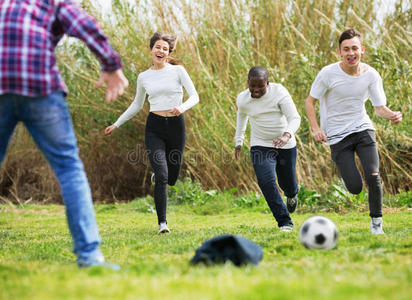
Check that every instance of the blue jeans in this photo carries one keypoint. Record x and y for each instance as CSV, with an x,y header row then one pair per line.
x,y
269,163
49,123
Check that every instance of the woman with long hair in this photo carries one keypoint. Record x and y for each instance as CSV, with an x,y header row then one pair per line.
x,y
165,135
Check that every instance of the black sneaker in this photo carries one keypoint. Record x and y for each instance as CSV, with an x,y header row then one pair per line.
x,y
292,203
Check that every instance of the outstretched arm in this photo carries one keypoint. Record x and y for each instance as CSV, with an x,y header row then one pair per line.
x,y
133,109
318,133
136,105
115,82
75,22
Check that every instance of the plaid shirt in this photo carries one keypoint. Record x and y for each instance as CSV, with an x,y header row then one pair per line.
x,y
29,32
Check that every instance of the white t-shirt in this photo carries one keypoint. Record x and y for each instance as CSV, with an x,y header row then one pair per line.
x,y
342,100
270,116
164,88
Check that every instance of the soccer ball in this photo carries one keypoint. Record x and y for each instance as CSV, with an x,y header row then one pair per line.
x,y
318,233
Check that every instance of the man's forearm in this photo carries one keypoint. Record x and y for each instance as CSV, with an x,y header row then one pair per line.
x,y
311,114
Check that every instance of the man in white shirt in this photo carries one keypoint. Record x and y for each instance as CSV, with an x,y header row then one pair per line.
x,y
274,120
342,89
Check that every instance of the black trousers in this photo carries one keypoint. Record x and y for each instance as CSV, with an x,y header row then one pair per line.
x,y
343,154
165,139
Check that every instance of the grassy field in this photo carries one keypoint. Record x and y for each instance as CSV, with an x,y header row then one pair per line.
x,y
36,260
219,40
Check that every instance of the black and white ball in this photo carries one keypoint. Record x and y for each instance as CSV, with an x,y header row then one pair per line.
x,y
318,233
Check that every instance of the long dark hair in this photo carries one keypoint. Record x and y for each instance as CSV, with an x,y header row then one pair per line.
x,y
168,38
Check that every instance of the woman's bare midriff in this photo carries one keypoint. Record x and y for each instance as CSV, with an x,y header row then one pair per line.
x,y
164,113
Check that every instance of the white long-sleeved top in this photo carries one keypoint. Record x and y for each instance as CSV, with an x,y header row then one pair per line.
x,y
270,116
164,88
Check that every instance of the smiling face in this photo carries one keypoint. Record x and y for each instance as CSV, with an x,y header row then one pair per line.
x,y
258,86
160,53
351,51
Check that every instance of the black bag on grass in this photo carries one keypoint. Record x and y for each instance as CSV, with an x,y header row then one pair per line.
x,y
238,250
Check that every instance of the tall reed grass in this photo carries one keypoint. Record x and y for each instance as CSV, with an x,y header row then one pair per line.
x,y
219,41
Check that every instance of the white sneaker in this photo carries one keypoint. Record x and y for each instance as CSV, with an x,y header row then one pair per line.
x,y
286,228
163,228
376,226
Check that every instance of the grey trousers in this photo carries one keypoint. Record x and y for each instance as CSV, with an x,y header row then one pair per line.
x,y
343,154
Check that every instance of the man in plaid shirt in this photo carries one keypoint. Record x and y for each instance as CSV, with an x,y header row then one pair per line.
x,y
32,91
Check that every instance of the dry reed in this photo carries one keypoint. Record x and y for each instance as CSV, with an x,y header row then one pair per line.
x,y
219,42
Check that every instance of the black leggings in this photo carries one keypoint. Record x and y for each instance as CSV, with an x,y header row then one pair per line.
x,y
343,154
165,139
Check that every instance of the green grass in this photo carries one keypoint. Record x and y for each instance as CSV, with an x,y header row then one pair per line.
x,y
36,260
